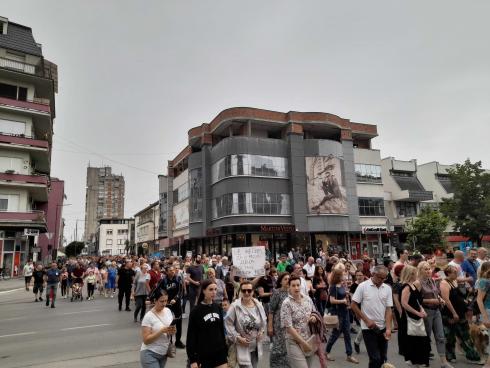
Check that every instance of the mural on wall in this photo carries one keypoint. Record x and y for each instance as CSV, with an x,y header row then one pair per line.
x,y
326,194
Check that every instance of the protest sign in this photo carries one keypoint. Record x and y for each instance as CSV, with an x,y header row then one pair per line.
x,y
249,261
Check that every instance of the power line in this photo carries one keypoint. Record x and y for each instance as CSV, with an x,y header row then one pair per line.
x,y
88,150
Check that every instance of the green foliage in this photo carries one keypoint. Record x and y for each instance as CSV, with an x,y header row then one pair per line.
x,y
427,229
74,248
469,209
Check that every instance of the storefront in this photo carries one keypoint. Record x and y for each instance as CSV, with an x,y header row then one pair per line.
x,y
373,241
14,254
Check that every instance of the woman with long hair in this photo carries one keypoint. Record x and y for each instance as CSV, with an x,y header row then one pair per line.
x,y
320,286
339,302
400,321
156,329
206,345
454,317
417,348
296,314
245,325
432,302
483,299
278,354
141,290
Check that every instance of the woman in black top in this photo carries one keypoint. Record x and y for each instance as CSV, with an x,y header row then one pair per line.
x,y
320,286
417,348
206,346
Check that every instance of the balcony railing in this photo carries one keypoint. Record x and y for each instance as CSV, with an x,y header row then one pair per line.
x,y
33,216
27,179
39,104
22,139
18,65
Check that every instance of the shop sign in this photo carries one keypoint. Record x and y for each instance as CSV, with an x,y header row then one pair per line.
x,y
277,228
374,229
31,232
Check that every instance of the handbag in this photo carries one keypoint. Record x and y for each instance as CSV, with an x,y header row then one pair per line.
x,y
312,342
331,321
415,327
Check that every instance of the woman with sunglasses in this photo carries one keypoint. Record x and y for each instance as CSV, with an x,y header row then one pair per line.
x,y
245,325
206,345
155,330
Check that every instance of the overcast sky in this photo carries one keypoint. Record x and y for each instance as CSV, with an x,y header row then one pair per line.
x,y
135,76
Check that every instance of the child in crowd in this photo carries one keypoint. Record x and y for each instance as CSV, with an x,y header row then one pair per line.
x,y
91,280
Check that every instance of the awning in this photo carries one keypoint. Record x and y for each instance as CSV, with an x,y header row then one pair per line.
x,y
461,238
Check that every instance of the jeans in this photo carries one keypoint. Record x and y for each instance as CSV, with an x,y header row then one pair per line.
x,y
344,328
51,288
254,358
140,302
177,311
433,323
376,346
124,293
150,359
192,297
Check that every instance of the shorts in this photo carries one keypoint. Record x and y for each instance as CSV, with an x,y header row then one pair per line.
x,y
28,279
37,288
216,360
111,284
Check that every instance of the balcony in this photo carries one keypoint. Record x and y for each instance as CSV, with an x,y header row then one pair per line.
x,y
36,184
31,219
412,195
21,140
37,105
42,70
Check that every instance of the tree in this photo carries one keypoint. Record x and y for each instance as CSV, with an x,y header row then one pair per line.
x,y
427,229
74,248
469,209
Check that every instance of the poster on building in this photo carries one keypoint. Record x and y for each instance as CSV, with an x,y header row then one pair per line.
x,y
249,261
326,194
181,215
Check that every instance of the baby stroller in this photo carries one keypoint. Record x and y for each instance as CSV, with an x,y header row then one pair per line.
x,y
76,290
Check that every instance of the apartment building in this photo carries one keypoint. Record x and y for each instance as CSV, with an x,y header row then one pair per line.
x,y
28,83
280,180
146,224
104,198
404,194
114,237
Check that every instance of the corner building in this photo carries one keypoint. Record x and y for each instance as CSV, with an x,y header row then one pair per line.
x,y
282,180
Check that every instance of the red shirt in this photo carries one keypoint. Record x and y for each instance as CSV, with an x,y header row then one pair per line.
x,y
155,276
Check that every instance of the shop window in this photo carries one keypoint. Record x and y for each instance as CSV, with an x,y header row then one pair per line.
x,y
368,173
371,207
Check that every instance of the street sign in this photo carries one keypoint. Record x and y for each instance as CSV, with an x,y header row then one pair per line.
x,y
31,232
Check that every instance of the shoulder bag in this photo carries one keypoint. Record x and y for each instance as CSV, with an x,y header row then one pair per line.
x,y
331,321
171,351
415,327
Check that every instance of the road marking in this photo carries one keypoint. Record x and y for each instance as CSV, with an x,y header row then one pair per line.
x,y
10,291
85,311
19,334
80,327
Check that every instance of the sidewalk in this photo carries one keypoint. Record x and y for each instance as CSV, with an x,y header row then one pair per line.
x,y
11,284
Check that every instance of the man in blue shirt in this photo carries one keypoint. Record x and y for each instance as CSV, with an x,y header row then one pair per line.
x,y
470,266
52,279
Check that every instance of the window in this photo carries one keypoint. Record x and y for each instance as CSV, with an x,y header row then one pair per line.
x,y
122,231
249,165
406,209
120,241
368,173
22,94
371,207
251,203
11,163
108,241
108,232
181,193
196,195
12,127
9,91
9,202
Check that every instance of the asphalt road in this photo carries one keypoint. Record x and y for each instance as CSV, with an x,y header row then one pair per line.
x,y
93,334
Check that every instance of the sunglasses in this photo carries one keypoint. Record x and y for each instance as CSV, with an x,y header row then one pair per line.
x,y
247,291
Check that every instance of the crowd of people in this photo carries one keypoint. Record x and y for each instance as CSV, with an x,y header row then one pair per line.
x,y
300,306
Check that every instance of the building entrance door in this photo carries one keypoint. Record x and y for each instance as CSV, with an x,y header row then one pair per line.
x,y
8,264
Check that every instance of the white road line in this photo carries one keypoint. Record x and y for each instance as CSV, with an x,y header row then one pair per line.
x,y
10,291
85,311
89,326
19,334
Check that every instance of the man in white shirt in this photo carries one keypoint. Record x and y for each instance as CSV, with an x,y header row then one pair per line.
x,y
28,270
310,267
297,271
372,303
482,255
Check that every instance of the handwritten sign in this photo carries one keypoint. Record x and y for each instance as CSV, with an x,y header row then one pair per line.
x,y
189,254
249,261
